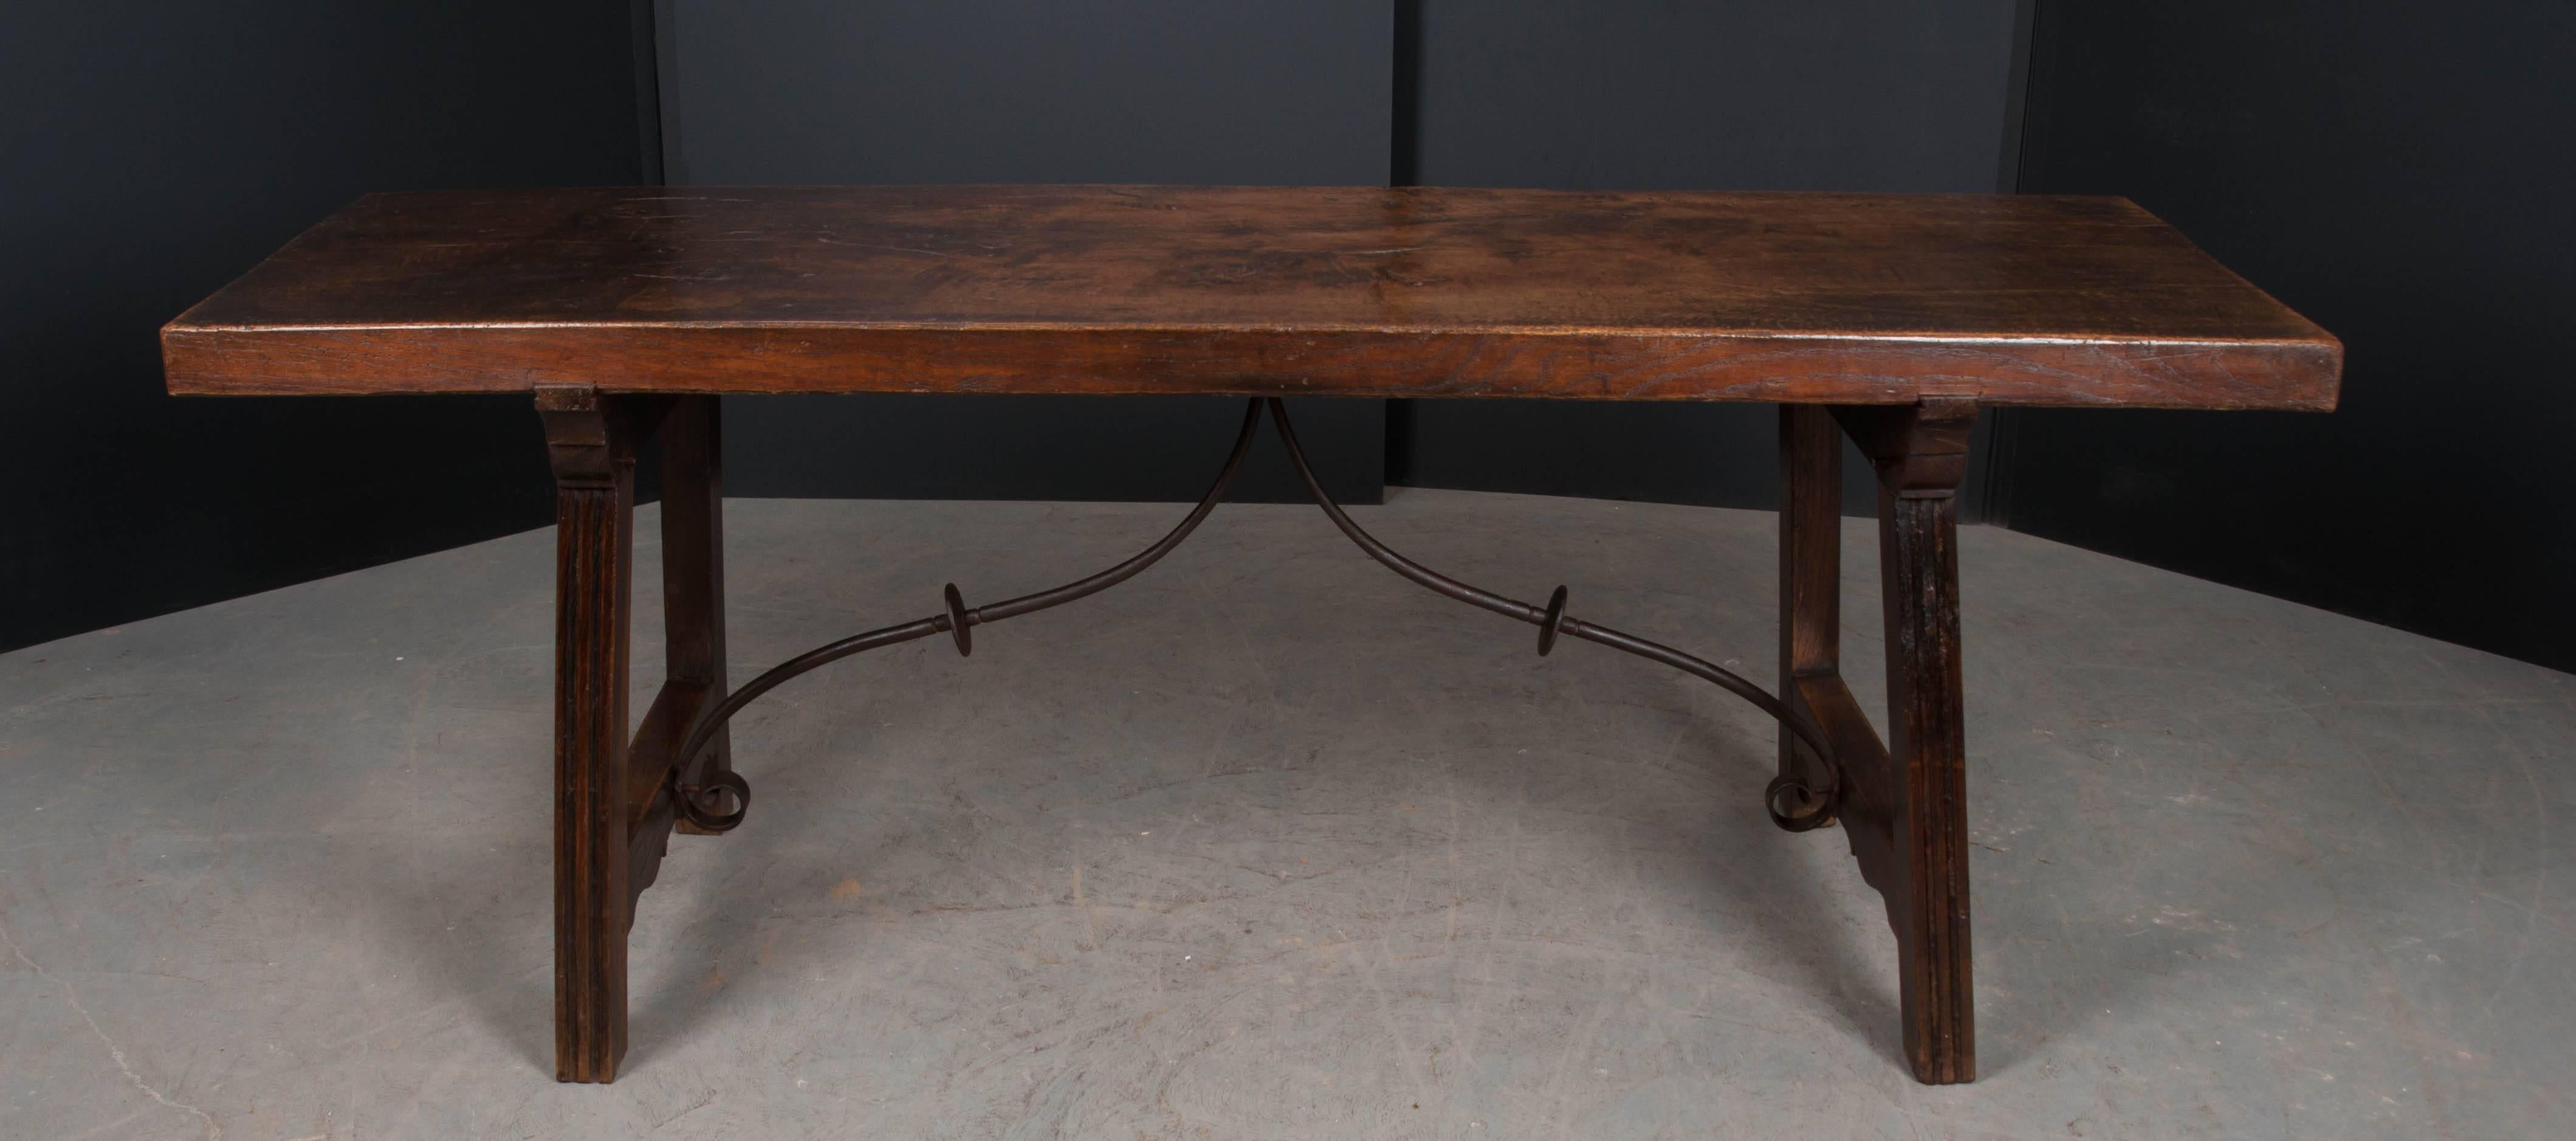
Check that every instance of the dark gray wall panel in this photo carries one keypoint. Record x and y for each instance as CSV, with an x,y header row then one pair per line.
x,y
149,152
1894,95
2398,172
1890,95
1175,91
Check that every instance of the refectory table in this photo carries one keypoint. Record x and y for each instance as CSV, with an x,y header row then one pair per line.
x,y
624,313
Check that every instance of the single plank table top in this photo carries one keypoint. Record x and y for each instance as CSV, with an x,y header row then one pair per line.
x,y
1318,291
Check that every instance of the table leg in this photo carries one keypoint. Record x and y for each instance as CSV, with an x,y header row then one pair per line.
x,y
1904,802
1811,518
594,464
1916,798
693,567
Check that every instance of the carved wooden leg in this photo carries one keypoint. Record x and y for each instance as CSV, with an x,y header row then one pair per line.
x,y
693,568
594,464
1921,454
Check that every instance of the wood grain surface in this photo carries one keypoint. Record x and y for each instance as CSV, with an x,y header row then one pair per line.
x,y
1830,298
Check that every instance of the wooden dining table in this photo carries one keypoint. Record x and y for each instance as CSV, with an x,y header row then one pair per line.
x,y
627,314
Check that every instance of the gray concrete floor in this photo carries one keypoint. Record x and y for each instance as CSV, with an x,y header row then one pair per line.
x,y
1269,843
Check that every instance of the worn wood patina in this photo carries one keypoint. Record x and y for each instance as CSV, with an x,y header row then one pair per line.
x,y
1854,299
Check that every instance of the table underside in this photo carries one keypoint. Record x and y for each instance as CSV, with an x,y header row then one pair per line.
x,y
620,793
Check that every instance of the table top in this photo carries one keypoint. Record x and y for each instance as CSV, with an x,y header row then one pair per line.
x,y
1349,291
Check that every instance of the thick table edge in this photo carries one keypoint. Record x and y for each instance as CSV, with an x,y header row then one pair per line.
x,y
2286,374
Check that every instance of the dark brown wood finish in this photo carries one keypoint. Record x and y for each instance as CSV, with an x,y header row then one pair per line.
x,y
693,568
1904,806
594,464
1906,810
1810,298
1811,551
613,810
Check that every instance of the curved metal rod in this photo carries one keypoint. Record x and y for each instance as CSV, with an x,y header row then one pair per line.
x,y
1010,608
1552,619
1808,808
